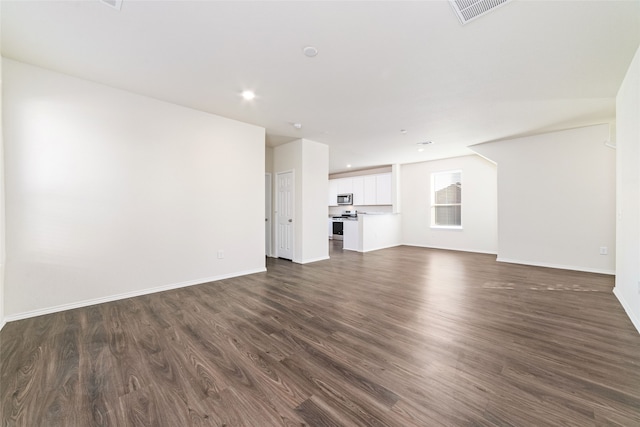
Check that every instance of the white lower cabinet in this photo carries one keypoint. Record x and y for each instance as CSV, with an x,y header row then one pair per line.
x,y
351,236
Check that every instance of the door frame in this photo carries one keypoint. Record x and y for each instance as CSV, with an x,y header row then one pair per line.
x,y
293,212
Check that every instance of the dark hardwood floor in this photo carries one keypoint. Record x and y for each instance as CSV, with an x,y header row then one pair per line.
x,y
398,337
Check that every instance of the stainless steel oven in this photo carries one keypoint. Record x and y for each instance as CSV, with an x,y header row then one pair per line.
x,y
338,223
338,229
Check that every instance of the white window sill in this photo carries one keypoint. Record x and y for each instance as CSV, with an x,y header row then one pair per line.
x,y
447,227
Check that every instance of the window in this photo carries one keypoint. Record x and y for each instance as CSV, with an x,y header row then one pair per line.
x,y
446,199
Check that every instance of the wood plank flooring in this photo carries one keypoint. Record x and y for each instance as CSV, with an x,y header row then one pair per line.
x,y
398,337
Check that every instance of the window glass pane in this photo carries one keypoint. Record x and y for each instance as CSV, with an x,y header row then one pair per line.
x,y
447,188
447,215
446,199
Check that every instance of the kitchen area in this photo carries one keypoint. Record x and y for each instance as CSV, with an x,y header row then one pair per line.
x,y
364,210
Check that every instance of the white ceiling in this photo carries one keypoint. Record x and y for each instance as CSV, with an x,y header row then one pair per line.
x,y
383,66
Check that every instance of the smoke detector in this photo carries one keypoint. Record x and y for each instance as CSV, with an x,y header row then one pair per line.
x,y
310,51
468,10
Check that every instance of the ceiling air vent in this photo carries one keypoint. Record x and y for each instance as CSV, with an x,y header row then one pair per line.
x,y
116,4
468,10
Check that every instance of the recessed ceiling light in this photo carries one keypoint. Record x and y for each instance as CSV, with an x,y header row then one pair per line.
x,y
248,95
310,51
420,150
348,165
297,125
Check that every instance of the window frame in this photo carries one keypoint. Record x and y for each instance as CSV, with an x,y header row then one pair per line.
x,y
433,204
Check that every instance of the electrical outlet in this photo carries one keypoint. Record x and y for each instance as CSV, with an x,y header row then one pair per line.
x,y
220,254
604,250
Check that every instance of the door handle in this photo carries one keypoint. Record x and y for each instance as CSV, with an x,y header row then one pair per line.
x,y
290,220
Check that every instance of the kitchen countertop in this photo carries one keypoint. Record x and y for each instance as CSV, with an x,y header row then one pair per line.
x,y
377,213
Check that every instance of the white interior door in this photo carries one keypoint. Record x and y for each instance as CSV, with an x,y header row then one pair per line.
x,y
284,215
267,214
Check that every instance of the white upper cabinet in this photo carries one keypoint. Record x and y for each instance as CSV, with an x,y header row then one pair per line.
x,y
345,185
370,190
358,190
383,189
367,190
333,192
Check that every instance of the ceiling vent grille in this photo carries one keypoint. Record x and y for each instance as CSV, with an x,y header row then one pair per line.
x,y
468,10
116,4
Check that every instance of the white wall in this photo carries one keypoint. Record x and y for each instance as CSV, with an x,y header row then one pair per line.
x,y
315,186
310,163
110,194
268,159
556,204
627,287
2,227
479,205
269,229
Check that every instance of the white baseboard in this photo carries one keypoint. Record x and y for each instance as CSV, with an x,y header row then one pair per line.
x,y
110,298
560,266
307,261
627,309
475,251
382,247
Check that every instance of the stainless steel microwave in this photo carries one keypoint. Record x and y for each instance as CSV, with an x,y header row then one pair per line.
x,y
345,199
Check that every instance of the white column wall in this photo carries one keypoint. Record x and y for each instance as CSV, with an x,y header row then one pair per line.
x,y
111,194
315,185
627,287
310,163
2,209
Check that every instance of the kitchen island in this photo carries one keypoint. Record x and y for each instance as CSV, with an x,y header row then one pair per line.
x,y
372,232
